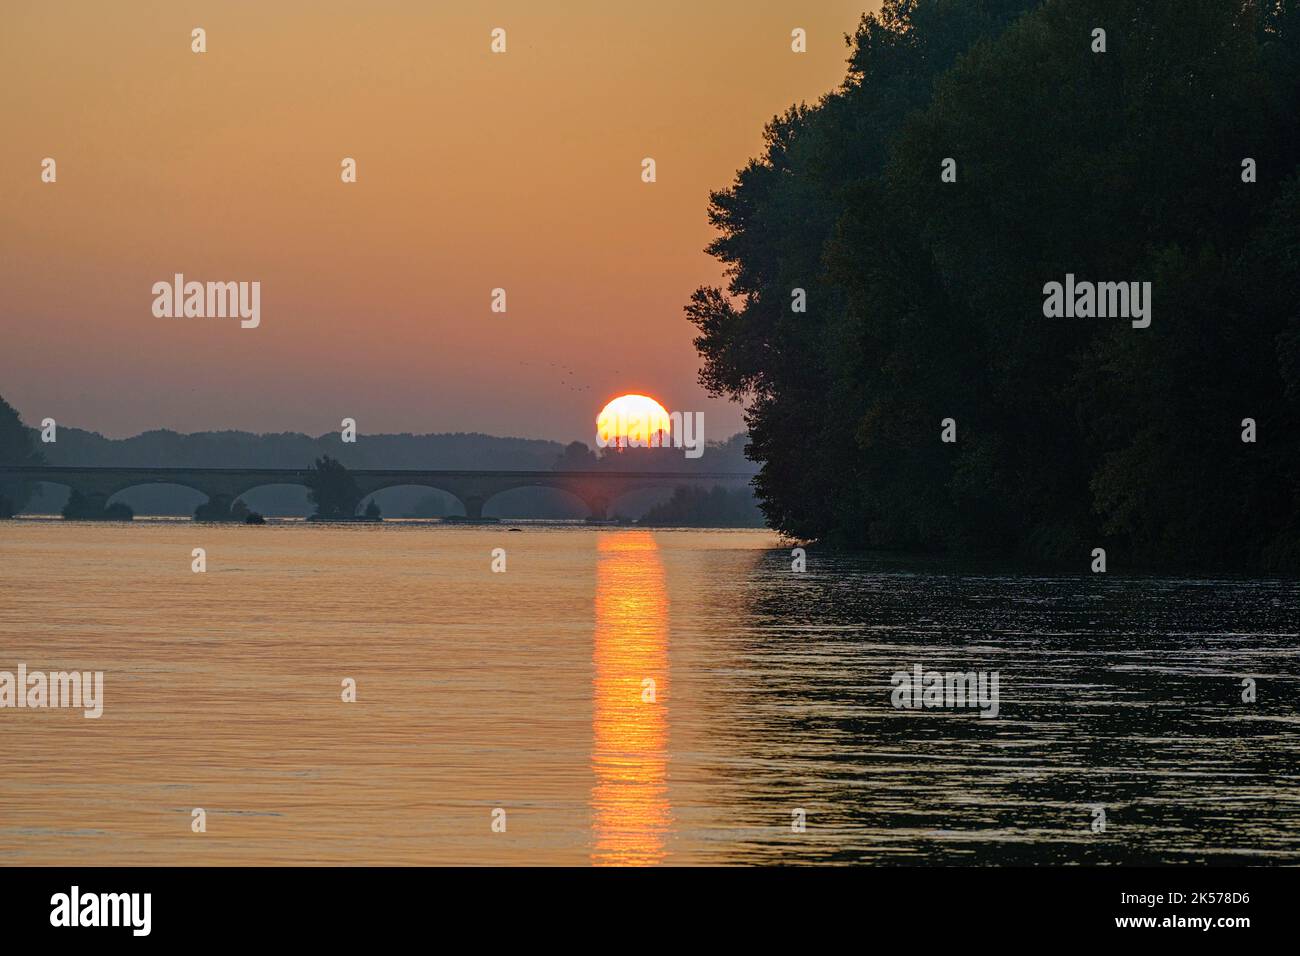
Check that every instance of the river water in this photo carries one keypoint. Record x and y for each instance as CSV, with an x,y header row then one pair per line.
x,y
622,696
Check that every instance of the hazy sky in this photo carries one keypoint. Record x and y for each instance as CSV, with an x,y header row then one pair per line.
x,y
475,170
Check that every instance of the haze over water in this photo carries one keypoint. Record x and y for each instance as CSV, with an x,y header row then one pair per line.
x,y
524,691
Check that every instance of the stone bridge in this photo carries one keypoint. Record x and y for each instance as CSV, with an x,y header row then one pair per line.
x,y
596,489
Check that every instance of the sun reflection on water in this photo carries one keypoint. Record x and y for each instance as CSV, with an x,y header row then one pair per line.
x,y
629,801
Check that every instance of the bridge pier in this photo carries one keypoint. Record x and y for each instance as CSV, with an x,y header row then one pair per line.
x,y
473,506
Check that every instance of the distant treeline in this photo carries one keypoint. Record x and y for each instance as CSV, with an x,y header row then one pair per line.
x,y
238,449
699,507
1163,149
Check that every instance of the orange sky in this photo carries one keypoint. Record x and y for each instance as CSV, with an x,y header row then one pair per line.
x,y
475,171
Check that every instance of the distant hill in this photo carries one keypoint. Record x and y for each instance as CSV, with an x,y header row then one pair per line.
x,y
236,449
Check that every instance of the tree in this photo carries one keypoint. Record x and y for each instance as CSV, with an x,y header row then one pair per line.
x,y
798,372
924,297
94,507
692,506
222,508
575,457
17,447
332,489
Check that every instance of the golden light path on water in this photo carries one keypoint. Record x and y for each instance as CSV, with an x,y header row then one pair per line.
x,y
629,757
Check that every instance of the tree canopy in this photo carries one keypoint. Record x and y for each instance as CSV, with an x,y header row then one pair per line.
x,y
332,489
17,447
924,297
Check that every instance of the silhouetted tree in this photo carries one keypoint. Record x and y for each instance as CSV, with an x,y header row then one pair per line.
x,y
222,508
575,457
332,489
924,298
692,506
17,447
94,507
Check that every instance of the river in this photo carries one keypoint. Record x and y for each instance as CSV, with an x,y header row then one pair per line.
x,y
625,696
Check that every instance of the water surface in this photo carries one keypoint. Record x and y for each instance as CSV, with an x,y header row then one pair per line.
x,y
627,696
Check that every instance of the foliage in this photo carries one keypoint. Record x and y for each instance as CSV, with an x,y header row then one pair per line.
x,y
222,508
692,506
332,489
925,297
94,507
17,447
576,457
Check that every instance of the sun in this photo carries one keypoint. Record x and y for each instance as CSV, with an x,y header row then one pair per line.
x,y
633,421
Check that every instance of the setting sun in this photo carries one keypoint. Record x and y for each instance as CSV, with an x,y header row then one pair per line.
x,y
631,421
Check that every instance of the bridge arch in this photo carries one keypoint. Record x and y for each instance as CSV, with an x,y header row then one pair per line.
x,y
279,498
48,498
178,498
390,498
